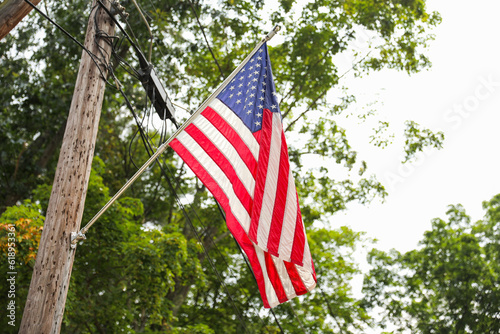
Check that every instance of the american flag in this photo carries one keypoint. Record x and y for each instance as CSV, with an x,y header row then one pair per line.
x,y
237,148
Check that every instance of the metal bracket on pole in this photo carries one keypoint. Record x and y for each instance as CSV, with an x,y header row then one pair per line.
x,y
75,237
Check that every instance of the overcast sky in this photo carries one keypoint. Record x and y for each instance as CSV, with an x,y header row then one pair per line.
x,y
459,95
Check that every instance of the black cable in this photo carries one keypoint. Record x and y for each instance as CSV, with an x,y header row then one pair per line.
x,y
329,307
107,38
101,34
121,61
144,138
206,40
276,319
57,25
71,37
134,45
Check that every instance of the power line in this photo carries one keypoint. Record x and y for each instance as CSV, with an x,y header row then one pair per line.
x,y
133,43
330,308
206,40
92,56
149,29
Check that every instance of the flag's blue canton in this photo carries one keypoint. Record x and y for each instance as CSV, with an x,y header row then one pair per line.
x,y
252,90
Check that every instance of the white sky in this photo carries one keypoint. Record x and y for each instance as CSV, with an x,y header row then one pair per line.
x,y
459,95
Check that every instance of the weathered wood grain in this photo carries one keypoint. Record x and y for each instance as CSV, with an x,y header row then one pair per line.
x,y
50,281
11,13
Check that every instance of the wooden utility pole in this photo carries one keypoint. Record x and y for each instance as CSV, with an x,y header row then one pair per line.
x,y
11,13
44,308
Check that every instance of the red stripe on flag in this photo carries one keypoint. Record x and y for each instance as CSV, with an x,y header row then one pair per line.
x,y
224,164
256,135
232,223
273,241
313,270
260,179
232,136
275,279
298,284
299,239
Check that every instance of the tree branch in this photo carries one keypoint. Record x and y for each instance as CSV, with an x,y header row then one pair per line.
x,y
322,94
308,109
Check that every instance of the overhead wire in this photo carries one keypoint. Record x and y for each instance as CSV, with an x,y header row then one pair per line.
x,y
97,62
205,37
102,35
133,43
149,29
330,310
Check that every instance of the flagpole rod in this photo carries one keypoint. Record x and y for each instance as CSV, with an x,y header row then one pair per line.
x,y
77,236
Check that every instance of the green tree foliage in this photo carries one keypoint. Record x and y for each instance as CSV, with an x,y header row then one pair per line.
x,y
451,284
144,266
417,139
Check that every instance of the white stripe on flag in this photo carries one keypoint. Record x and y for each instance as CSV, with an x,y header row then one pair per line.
x,y
218,175
284,277
266,213
306,277
289,220
307,259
